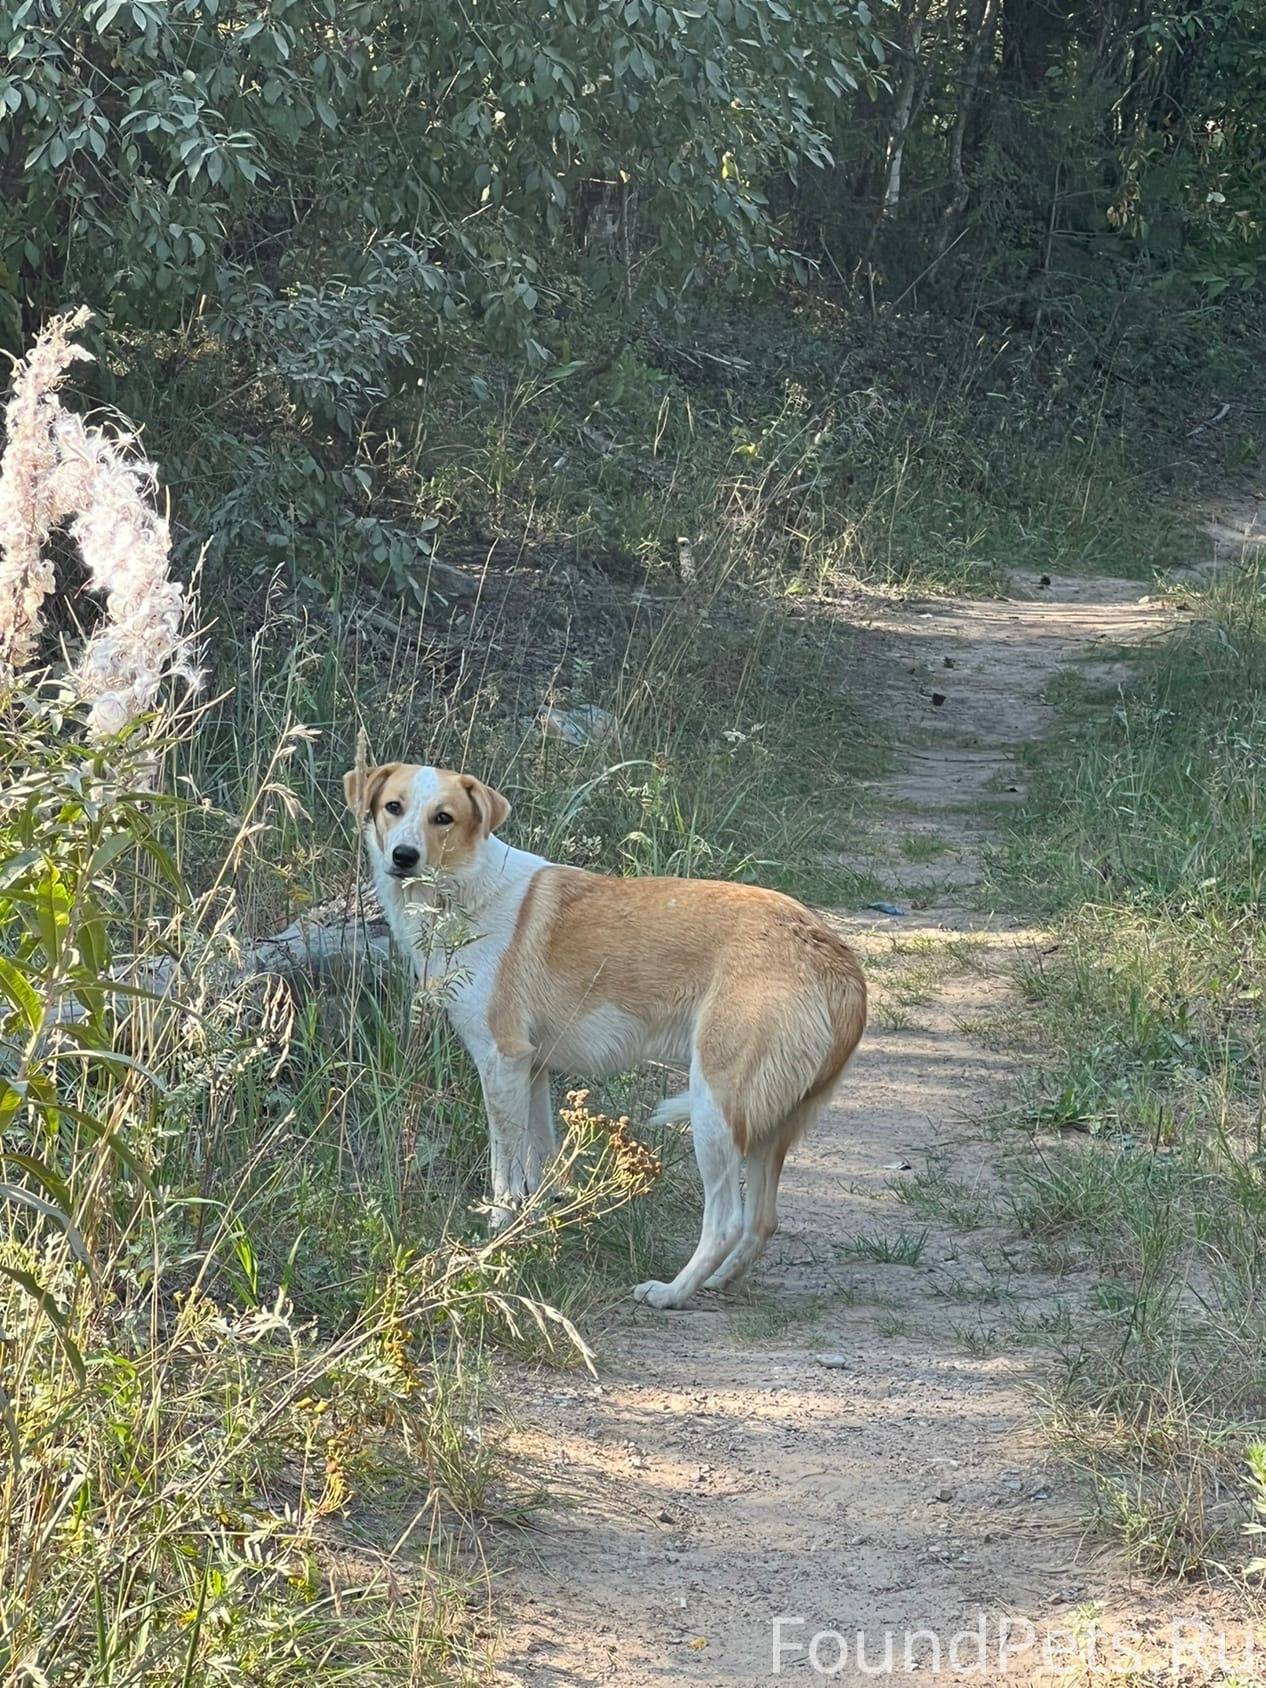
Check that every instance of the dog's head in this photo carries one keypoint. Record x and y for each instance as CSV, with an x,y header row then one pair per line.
x,y
419,818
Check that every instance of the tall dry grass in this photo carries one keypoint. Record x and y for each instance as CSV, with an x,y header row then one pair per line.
x,y
246,1296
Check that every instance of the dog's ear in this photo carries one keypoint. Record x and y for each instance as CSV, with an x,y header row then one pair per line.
x,y
361,787
491,808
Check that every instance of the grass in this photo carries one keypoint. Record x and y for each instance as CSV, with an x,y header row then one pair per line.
x,y
986,1292
904,1248
922,847
767,1318
706,768
933,1194
1142,844
892,1327
801,444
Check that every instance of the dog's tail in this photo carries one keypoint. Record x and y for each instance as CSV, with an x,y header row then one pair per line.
x,y
673,1110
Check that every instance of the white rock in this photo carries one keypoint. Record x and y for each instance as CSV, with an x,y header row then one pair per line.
x,y
585,724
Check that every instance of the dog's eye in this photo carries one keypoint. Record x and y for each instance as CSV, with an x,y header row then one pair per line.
x,y
394,808
442,818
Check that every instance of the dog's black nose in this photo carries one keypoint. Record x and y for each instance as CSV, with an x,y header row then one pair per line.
x,y
404,857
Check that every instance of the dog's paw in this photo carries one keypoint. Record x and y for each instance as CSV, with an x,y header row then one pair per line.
x,y
656,1294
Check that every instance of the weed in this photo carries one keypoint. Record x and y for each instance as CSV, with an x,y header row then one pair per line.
x,y
982,1340
910,970
931,1194
987,1292
771,1316
892,1327
904,1249
922,847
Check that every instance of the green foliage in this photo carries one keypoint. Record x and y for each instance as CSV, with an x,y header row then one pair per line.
x,y
379,274
172,150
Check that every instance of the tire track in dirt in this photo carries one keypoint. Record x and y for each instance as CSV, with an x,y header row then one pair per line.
x,y
719,1475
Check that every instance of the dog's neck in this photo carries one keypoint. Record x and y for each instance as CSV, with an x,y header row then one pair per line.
x,y
498,870
497,875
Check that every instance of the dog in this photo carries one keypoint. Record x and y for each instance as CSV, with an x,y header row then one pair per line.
x,y
561,968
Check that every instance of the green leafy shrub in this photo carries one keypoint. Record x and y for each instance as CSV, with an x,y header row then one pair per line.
x,y
436,160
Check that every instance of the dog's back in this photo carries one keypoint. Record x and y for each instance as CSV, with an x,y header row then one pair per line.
x,y
745,982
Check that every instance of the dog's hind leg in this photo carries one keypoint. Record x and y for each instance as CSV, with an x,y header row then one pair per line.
x,y
760,1207
719,1166
760,1217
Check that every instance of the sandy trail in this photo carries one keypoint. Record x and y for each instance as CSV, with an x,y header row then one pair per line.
x,y
720,1475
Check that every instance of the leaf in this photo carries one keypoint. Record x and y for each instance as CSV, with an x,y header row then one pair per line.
x,y
163,860
110,1058
15,985
11,1425
43,1175
44,1301
49,1210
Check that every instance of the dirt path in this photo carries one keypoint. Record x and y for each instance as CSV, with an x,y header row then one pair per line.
x,y
850,1442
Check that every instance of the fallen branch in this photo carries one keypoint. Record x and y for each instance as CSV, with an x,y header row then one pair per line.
x,y
316,942
334,935
1212,420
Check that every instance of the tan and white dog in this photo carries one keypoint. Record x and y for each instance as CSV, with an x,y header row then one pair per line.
x,y
565,969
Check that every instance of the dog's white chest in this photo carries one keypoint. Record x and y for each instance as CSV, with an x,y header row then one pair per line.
x,y
456,959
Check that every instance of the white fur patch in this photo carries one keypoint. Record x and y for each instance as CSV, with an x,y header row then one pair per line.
x,y
410,828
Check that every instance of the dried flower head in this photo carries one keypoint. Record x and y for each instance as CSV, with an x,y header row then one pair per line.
x,y
636,1166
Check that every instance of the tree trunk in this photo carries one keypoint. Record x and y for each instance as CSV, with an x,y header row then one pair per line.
x,y
903,116
982,22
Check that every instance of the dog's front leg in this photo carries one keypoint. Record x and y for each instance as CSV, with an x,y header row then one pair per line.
x,y
543,1137
516,1169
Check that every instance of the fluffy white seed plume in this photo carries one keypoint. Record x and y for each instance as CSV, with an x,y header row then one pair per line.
x,y
55,465
28,496
125,544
